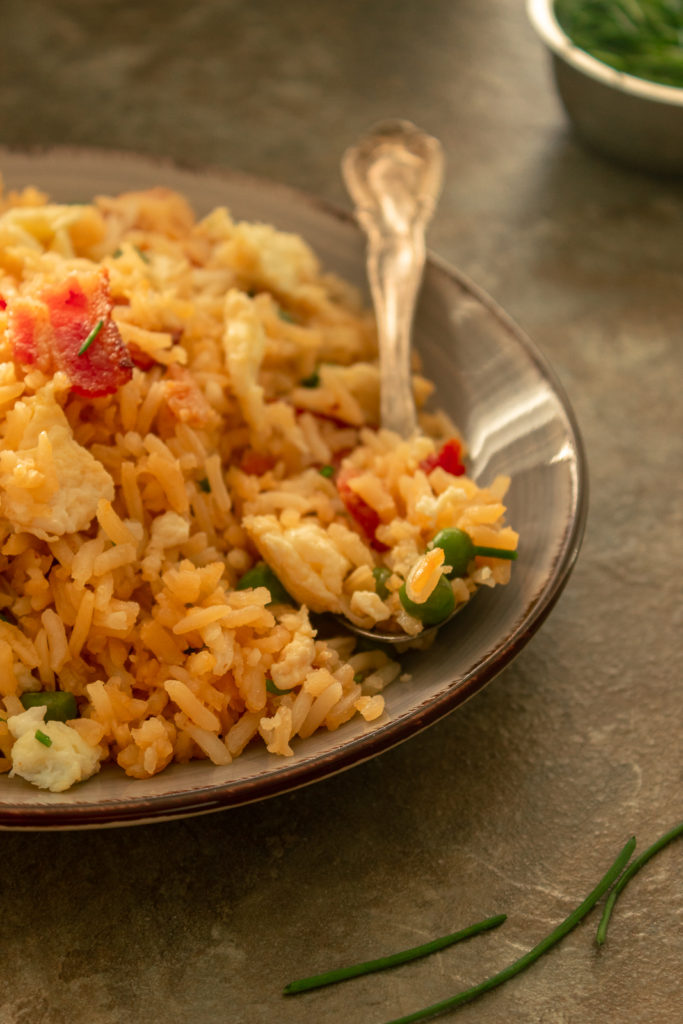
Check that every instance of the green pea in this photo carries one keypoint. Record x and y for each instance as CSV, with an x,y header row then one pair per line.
x,y
261,575
381,574
436,608
272,688
61,706
458,549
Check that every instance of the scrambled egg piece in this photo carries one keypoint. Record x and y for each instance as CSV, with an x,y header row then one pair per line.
x,y
67,759
295,661
49,484
304,557
277,260
244,344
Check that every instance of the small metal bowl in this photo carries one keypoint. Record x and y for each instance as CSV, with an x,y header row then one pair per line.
x,y
637,122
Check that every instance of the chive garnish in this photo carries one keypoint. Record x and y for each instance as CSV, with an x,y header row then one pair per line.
x,y
204,485
143,255
312,381
640,37
528,958
42,738
359,677
272,688
495,552
381,574
628,874
393,960
91,337
326,471
117,253
286,316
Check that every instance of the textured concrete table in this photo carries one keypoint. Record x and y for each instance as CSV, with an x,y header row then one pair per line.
x,y
520,799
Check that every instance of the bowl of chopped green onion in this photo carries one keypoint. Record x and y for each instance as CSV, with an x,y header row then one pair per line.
x,y
618,67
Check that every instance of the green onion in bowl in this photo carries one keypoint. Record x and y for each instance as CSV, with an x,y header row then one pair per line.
x,y
643,38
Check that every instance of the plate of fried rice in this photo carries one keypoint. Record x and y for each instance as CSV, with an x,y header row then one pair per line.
x,y
196,492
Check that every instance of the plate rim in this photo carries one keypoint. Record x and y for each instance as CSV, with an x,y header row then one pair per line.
x,y
204,799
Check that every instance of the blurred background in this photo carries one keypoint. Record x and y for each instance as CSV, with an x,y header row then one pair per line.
x,y
520,799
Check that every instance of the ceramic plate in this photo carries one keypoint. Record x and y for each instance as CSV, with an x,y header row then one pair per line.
x,y
517,420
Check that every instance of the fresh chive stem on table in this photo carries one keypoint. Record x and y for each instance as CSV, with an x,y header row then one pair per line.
x,y
628,874
393,960
452,1002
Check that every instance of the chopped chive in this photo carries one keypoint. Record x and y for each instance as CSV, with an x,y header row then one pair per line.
x,y
272,688
91,337
381,574
204,485
117,253
628,874
42,738
312,381
381,964
528,958
359,677
286,316
143,255
495,552
326,471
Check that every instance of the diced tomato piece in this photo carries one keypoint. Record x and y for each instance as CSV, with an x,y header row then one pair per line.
x,y
3,303
50,330
365,515
185,399
448,457
256,463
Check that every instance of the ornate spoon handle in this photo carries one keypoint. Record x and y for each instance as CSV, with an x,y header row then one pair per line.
x,y
394,176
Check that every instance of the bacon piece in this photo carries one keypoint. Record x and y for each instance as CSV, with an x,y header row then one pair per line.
x,y
448,457
49,331
141,359
365,515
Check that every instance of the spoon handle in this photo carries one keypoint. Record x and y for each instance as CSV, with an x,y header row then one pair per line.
x,y
394,176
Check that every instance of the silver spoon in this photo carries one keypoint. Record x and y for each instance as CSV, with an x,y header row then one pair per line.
x,y
394,176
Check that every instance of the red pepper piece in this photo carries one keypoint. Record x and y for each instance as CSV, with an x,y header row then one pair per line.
x,y
256,463
49,331
448,457
365,515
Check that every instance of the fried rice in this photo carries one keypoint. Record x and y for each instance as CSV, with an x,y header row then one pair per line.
x,y
183,401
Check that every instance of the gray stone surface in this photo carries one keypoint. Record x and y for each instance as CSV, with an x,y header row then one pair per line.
x,y
520,799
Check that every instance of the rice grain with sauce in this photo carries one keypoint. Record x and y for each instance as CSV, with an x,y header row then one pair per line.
x,y
181,401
